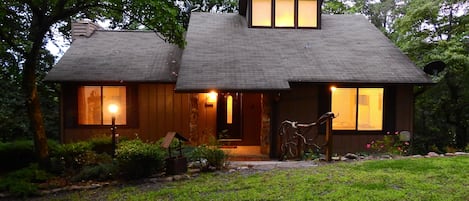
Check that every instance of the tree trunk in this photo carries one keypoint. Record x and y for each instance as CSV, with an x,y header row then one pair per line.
x,y
33,106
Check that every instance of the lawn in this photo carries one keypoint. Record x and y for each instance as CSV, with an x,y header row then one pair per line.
x,y
442,178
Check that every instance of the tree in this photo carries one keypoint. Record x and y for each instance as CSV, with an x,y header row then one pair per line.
x,y
27,24
430,31
334,7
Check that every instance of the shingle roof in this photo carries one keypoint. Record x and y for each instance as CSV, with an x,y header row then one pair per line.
x,y
223,53
130,56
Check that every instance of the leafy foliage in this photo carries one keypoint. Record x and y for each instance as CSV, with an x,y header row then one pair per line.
x,y
390,144
26,25
209,156
138,159
431,31
23,182
98,172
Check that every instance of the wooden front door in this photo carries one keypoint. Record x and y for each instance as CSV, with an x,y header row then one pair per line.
x,y
229,122
239,119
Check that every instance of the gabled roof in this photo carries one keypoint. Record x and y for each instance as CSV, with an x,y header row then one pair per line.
x,y
223,53
118,56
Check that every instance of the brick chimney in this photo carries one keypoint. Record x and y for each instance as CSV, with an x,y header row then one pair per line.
x,y
84,28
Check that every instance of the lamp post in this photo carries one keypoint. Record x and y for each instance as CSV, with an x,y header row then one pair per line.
x,y
113,110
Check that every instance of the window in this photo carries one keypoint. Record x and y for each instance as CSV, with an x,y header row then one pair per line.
x,y
357,109
286,13
307,13
263,14
93,103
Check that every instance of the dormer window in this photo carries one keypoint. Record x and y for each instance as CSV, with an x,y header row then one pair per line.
x,y
285,13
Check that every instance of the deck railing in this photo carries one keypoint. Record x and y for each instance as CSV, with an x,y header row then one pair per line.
x,y
297,139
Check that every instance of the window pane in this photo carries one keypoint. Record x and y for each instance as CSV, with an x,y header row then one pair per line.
x,y
89,105
344,107
284,13
114,95
307,13
229,110
261,13
370,109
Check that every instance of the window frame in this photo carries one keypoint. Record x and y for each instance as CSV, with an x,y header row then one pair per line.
x,y
103,108
295,16
356,130
70,112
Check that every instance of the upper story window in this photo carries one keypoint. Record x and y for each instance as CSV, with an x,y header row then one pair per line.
x,y
284,13
93,103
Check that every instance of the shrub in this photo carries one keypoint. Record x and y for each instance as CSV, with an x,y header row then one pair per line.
x,y
101,144
23,182
16,155
73,156
209,156
390,144
99,172
137,159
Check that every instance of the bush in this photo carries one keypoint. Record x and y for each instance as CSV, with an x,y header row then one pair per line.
x,y
99,172
137,159
209,156
102,144
16,155
23,182
390,144
72,156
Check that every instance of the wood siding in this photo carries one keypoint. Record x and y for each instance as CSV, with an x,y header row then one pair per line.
x,y
305,103
159,109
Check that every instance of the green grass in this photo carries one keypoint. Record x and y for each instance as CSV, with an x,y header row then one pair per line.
x,y
406,179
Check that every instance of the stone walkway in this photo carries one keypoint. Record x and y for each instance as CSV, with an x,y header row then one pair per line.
x,y
269,165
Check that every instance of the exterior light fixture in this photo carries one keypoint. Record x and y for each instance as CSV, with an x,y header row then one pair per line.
x,y
333,88
113,108
211,98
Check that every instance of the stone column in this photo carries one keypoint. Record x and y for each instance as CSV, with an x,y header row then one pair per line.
x,y
265,124
194,118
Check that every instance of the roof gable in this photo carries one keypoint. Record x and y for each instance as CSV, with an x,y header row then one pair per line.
x,y
222,53
118,56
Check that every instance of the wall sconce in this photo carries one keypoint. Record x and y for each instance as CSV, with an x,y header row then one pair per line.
x,y
211,98
333,88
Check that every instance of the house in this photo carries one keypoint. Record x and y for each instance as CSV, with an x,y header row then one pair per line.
x,y
239,77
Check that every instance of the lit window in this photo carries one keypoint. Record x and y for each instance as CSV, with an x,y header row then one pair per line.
x,y
263,13
93,103
229,110
307,13
284,13
357,109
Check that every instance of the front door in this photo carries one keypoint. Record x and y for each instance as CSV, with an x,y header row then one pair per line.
x,y
229,110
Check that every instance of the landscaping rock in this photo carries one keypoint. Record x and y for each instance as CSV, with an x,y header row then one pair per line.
x,y
336,158
351,156
459,153
417,156
432,154
385,156
450,154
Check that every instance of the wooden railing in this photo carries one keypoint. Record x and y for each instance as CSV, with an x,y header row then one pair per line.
x,y
297,139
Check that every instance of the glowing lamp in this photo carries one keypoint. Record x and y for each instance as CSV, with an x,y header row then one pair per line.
x,y
211,97
113,108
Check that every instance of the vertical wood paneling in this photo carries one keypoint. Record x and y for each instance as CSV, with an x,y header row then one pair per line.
x,y
404,108
144,106
169,106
